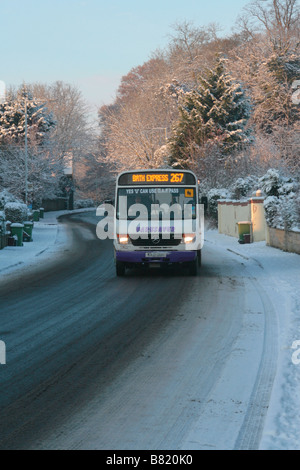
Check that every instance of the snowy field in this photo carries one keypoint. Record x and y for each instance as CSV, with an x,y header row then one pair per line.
x,y
278,275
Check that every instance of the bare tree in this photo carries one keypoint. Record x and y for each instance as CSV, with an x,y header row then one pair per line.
x,y
72,129
278,19
188,52
135,133
137,124
73,140
268,63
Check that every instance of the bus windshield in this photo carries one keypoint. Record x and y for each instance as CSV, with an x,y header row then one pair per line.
x,y
150,196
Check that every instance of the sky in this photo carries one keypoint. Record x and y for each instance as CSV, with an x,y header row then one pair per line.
x,y
91,44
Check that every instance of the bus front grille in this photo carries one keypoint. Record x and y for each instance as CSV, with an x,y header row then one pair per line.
x,y
156,241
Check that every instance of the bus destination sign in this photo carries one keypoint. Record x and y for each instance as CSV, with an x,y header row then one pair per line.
x,y
156,178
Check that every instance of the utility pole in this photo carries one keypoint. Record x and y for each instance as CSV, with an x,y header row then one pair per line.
x,y
26,155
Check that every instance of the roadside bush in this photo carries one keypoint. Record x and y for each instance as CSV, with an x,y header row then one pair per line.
x,y
282,202
2,223
283,211
6,197
271,210
212,198
84,203
16,212
242,187
270,182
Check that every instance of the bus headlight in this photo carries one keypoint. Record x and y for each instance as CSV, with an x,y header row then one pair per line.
x,y
188,238
123,239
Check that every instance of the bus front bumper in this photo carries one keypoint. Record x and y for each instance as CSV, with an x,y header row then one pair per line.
x,y
147,257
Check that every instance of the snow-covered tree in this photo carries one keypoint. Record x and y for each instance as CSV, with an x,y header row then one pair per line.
x,y
216,111
73,140
136,125
269,63
57,130
72,131
186,51
135,133
19,106
43,172
13,111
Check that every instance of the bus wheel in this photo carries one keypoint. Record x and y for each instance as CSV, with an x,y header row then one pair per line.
x,y
120,268
193,268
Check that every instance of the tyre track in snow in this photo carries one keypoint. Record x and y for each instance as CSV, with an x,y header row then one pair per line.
x,y
251,431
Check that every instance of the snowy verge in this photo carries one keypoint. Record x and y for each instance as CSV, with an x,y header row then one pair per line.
x,y
49,240
278,274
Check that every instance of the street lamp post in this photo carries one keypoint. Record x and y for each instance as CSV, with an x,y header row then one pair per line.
x,y
26,156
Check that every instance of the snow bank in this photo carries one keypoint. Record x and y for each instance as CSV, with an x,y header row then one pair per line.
x,y
50,239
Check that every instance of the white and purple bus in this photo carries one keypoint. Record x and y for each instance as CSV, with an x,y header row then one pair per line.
x,y
158,221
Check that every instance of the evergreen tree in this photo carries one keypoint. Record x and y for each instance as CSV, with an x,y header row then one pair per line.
x,y
216,112
12,119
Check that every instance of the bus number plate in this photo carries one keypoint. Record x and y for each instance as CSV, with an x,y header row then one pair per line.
x,y
156,254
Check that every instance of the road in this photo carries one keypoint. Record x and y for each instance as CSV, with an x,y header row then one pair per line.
x,y
149,361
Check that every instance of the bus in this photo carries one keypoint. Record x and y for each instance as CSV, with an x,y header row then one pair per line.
x,y
158,221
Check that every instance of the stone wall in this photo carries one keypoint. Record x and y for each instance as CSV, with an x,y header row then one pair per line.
x,y
284,239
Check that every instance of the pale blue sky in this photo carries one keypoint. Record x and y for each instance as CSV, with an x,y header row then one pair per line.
x,y
92,43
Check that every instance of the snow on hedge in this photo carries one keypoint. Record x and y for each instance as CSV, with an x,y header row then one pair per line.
x,y
283,211
212,198
16,212
6,197
84,203
243,187
282,201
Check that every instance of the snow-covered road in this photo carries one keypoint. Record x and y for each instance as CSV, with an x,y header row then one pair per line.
x,y
156,361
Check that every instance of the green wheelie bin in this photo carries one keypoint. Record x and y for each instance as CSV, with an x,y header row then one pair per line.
x,y
27,233
245,231
17,230
36,215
